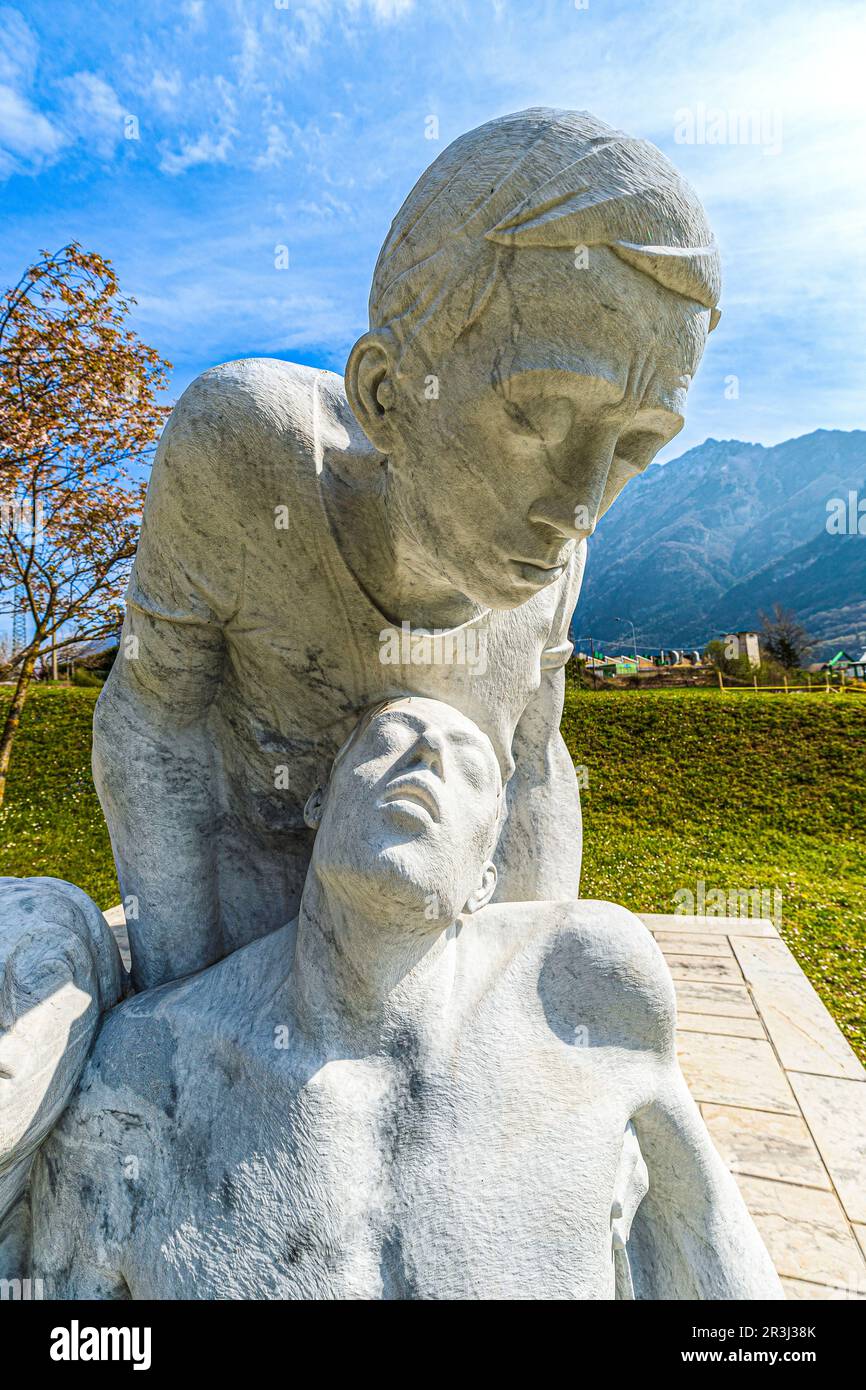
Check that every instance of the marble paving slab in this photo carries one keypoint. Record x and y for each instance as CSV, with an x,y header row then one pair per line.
x,y
835,1111
720,1000
786,1105
802,1031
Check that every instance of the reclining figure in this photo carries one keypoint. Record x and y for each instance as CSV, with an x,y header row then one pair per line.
x,y
408,1092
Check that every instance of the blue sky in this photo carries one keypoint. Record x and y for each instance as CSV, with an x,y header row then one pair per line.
x,y
304,123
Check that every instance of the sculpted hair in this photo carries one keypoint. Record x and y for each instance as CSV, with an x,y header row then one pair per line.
x,y
539,178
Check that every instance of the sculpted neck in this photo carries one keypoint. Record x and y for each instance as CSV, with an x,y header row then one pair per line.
x,y
360,972
378,543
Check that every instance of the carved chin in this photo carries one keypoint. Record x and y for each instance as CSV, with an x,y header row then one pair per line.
x,y
404,881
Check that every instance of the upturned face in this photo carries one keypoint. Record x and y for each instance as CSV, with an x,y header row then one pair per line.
x,y
508,446
410,813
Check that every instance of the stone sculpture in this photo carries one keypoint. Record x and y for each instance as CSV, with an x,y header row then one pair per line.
x,y
59,971
538,310
406,1093
446,1076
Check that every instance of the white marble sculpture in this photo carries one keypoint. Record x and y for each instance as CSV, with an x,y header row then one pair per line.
x,y
538,310
406,1093
59,971
446,1077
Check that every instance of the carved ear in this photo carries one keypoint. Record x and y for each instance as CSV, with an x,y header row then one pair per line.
x,y
481,896
314,807
370,385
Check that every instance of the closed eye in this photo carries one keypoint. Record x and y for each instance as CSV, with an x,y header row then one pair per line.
x,y
638,448
543,420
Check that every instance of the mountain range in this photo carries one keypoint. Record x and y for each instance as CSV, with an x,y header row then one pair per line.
x,y
707,542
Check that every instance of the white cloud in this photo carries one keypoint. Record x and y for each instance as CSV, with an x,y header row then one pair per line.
x,y
205,149
28,139
300,27
210,146
278,149
24,132
328,207
386,11
94,114
249,57
165,88
19,48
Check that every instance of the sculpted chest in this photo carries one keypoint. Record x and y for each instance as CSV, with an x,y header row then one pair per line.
x,y
405,1178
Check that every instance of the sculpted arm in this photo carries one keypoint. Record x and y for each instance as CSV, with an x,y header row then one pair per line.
x,y
152,756
541,842
693,1236
152,770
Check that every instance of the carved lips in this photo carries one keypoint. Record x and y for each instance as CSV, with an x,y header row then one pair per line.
x,y
414,792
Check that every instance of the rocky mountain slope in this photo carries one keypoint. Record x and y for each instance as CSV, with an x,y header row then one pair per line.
x,y
711,539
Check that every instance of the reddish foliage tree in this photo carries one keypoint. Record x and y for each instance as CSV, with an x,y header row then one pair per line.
x,y
78,424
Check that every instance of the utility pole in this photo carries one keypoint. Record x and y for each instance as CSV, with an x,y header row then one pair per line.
x,y
19,620
633,636
588,638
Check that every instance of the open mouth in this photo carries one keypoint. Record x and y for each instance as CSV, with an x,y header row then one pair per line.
x,y
414,792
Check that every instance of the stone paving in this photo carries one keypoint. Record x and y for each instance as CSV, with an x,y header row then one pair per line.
x,y
782,1093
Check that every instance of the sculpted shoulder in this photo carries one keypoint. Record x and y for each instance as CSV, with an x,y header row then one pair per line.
x,y
597,967
603,958
131,1075
153,1047
263,410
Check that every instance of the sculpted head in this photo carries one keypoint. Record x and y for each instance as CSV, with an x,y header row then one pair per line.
x,y
59,971
538,311
408,821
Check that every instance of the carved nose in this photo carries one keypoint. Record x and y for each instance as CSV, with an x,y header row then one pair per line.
x,y
570,519
573,510
572,525
428,752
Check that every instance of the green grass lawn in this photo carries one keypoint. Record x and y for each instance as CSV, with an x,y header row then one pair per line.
x,y
51,821
741,790
744,791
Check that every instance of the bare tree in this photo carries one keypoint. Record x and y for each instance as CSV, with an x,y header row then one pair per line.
x,y
784,638
79,419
